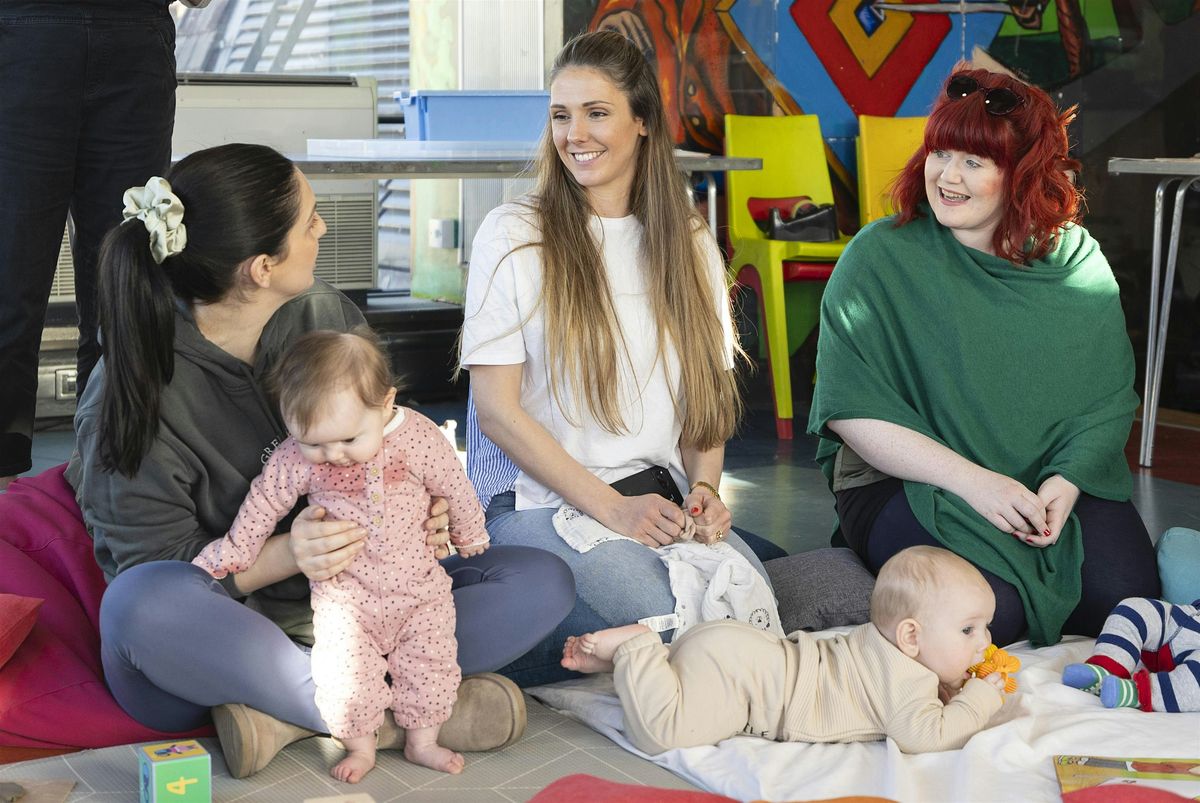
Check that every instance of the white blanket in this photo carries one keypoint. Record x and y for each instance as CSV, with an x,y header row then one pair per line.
x,y
1010,761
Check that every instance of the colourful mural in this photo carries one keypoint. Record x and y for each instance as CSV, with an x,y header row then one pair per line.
x,y
701,75
842,58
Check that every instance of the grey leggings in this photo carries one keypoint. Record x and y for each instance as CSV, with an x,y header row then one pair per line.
x,y
174,643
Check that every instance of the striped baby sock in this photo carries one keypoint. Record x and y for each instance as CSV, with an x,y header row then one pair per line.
x,y
1117,692
1086,677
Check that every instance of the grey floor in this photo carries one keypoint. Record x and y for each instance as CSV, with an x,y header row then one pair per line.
x,y
774,490
553,746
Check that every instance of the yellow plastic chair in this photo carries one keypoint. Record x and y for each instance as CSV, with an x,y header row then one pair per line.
x,y
884,146
793,157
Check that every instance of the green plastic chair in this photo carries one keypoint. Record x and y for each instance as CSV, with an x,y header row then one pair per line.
x,y
793,157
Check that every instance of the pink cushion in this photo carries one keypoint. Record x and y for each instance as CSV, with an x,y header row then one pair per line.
x,y
574,788
52,691
17,615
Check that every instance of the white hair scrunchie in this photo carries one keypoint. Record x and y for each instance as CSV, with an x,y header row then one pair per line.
x,y
162,212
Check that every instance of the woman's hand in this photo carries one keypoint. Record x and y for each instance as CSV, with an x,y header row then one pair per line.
x,y
649,519
437,527
1059,495
712,519
322,549
1007,504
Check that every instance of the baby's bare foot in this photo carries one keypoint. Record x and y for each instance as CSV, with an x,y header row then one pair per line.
x,y
434,756
597,649
354,766
360,758
577,659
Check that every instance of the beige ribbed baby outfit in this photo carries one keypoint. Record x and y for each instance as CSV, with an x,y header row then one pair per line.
x,y
724,678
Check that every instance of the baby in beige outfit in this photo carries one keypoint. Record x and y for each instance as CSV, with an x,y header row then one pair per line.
x,y
902,675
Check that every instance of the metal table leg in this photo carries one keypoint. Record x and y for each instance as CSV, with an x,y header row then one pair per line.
x,y
1160,310
1147,444
711,179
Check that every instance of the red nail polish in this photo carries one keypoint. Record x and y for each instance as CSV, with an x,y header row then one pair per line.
x,y
695,511
1046,533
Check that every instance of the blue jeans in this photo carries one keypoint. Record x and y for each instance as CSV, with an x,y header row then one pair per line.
x,y
617,583
174,643
87,107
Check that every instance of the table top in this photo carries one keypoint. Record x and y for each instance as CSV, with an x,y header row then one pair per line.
x,y
474,165
1169,166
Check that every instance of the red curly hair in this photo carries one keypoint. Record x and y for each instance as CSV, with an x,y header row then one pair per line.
x,y
1029,145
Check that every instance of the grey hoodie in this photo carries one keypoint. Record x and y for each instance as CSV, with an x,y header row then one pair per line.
x,y
217,428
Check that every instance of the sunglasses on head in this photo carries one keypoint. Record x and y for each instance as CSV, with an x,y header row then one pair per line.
x,y
997,101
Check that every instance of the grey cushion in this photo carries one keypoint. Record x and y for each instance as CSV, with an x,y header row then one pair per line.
x,y
821,588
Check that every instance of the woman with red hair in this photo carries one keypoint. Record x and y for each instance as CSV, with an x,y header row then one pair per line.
x,y
974,375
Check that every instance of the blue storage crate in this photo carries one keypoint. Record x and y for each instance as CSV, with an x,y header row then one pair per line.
x,y
516,115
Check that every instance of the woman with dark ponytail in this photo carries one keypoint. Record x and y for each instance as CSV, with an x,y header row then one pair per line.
x,y
206,281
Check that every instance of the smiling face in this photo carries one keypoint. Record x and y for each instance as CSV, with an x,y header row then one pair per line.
x,y
596,136
966,194
346,432
954,628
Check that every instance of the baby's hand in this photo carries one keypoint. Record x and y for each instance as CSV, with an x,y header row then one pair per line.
x,y
996,679
946,691
472,550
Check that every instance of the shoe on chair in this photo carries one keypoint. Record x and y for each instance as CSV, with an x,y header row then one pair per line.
x,y
250,738
489,714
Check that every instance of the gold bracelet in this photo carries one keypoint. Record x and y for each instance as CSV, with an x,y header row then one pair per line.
x,y
703,484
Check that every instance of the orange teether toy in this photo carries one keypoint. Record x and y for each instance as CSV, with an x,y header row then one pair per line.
x,y
997,660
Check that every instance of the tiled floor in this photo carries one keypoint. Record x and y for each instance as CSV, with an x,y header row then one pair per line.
x,y
774,490
553,746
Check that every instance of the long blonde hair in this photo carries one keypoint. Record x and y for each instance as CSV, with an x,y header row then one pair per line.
x,y
582,338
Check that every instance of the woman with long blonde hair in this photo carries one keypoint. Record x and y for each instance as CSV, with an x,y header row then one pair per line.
x,y
600,346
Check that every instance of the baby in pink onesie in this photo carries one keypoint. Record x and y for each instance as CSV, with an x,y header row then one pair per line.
x,y
390,611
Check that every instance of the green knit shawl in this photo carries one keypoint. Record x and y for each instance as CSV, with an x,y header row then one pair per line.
x,y
1025,370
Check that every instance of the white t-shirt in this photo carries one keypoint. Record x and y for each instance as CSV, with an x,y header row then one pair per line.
x,y
504,324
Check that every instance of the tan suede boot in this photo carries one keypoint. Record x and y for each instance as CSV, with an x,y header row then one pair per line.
x,y
489,714
250,738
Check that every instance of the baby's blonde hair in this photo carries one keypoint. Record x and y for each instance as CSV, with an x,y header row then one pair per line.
x,y
909,581
319,364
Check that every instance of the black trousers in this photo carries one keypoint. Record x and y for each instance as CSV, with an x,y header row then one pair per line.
x,y
1118,558
87,107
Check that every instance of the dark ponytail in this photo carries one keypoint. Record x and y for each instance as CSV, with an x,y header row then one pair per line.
x,y
239,201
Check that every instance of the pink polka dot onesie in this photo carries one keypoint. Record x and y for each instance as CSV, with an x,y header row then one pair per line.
x,y
391,610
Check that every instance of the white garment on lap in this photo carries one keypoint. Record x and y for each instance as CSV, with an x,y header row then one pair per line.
x,y
504,324
708,581
581,531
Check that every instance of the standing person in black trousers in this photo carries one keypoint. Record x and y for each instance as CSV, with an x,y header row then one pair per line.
x,y
87,107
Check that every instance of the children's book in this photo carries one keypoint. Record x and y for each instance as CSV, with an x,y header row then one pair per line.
x,y
1178,775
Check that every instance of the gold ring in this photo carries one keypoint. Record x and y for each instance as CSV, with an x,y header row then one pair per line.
x,y
720,534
